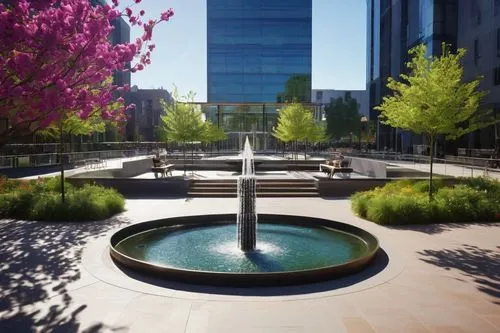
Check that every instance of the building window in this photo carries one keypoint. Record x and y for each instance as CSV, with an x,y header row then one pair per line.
x,y
319,95
496,76
475,13
476,52
498,42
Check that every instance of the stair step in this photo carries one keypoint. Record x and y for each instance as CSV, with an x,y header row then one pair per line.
x,y
264,190
283,184
263,195
229,181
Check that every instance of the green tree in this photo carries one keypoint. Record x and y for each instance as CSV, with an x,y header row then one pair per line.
x,y
297,88
316,134
74,125
212,133
342,116
432,99
182,122
294,124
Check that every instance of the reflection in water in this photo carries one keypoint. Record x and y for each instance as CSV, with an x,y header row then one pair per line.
x,y
213,248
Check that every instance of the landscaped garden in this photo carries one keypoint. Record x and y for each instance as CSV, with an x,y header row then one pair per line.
x,y
41,200
408,202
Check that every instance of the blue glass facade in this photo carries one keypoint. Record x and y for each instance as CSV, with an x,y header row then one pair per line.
x,y
258,50
394,27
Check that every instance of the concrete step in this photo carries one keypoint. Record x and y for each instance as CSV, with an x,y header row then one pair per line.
x,y
259,195
259,189
234,186
230,181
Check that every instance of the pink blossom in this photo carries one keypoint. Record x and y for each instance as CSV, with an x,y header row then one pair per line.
x,y
42,80
165,16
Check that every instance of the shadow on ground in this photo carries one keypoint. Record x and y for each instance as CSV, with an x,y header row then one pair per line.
x,y
482,265
440,227
37,262
379,263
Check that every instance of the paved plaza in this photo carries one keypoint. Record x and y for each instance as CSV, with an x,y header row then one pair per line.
x,y
57,277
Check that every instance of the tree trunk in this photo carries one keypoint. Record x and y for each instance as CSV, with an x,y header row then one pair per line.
x,y
184,154
61,161
305,150
192,159
431,137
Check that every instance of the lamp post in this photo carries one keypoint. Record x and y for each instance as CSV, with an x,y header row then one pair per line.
x,y
363,121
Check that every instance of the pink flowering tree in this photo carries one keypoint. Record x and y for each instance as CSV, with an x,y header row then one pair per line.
x,y
55,56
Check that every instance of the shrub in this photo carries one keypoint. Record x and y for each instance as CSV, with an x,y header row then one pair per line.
x,y
404,202
41,200
359,203
398,209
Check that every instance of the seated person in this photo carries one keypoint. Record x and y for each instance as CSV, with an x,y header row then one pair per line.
x,y
157,162
344,164
338,163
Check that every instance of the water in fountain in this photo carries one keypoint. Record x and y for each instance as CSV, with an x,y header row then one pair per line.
x,y
247,216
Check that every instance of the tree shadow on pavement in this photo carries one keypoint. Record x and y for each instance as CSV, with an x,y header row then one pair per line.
x,y
482,265
37,262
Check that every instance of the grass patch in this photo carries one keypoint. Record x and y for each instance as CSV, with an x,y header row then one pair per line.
x,y
406,202
40,199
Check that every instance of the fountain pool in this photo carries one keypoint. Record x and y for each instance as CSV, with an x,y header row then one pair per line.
x,y
235,250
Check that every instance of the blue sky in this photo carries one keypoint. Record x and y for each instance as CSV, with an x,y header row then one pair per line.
x,y
339,46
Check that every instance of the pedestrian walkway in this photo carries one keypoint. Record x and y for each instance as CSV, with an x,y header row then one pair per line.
x,y
447,169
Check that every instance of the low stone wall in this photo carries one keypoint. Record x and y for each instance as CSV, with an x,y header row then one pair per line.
x,y
139,188
368,167
260,165
136,168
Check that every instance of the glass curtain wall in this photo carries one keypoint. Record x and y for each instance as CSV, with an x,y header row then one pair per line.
x,y
254,120
259,51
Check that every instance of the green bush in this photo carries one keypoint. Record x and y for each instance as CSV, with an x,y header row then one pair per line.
x,y
406,202
41,200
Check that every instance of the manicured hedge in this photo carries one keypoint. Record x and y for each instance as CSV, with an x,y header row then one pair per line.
x,y
407,202
40,200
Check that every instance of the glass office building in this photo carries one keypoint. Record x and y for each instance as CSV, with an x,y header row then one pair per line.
x,y
394,27
255,120
258,51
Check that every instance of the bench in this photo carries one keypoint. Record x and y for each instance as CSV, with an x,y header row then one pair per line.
x,y
163,170
343,168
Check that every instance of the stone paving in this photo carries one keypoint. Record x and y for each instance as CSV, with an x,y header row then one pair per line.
x,y
57,277
450,169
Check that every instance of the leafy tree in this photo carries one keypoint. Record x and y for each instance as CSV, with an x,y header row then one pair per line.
x,y
182,122
295,124
342,116
316,134
433,100
54,57
70,125
212,133
297,88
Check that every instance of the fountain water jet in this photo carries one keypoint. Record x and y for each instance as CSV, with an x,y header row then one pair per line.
x,y
202,249
247,216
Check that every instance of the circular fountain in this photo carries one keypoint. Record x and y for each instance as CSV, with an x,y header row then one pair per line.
x,y
213,249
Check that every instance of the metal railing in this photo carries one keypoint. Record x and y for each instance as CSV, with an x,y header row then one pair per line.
x,y
74,158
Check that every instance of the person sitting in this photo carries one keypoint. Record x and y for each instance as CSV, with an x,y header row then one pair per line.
x,y
159,166
338,162
344,163
157,162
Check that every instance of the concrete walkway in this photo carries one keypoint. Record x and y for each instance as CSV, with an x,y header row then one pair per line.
x,y
57,277
453,170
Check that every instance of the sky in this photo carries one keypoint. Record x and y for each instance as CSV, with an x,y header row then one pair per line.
x,y
338,46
